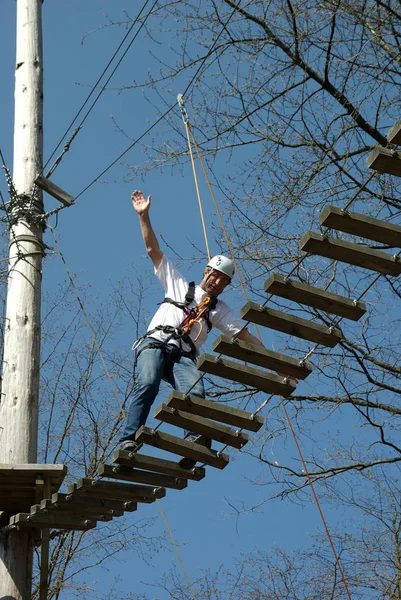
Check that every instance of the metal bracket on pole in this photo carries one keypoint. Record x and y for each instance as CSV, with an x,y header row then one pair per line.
x,y
184,114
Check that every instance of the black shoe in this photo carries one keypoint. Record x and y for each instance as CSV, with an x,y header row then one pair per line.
x,y
129,446
189,463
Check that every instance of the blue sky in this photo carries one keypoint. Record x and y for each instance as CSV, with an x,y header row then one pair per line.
x,y
100,239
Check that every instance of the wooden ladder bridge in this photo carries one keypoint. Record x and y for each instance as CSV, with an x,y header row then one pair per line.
x,y
29,494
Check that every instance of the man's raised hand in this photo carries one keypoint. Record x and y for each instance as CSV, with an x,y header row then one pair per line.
x,y
140,204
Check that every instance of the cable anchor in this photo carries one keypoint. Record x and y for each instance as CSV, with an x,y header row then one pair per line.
x,y
184,114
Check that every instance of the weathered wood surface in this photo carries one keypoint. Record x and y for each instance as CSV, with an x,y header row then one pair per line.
x,y
117,491
158,465
136,475
46,507
21,485
385,161
55,191
213,410
53,521
394,134
290,324
315,297
176,445
367,258
258,355
361,225
93,501
205,427
262,380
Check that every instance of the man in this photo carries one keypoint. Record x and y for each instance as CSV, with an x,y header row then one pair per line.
x,y
177,331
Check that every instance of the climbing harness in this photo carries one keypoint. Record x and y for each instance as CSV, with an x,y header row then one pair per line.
x,y
193,316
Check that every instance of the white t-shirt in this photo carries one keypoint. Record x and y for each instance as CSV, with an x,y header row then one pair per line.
x,y
176,288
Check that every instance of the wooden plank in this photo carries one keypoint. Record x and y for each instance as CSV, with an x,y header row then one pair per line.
x,y
55,191
262,380
394,134
29,473
385,161
213,410
262,357
95,502
129,474
53,521
118,491
290,324
367,258
82,509
315,297
206,427
361,225
89,513
176,445
158,465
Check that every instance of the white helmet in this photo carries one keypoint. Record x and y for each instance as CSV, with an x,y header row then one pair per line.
x,y
223,264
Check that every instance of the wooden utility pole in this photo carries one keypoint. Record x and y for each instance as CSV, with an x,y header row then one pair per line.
x,y
20,384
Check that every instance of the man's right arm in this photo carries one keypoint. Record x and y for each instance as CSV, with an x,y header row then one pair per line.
x,y
141,206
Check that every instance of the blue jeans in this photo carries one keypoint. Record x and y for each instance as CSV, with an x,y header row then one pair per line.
x,y
154,364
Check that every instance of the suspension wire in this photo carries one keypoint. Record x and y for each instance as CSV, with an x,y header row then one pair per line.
x,y
164,115
99,79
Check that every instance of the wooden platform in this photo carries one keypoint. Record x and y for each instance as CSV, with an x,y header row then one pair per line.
x,y
206,427
176,445
215,411
394,134
361,225
385,161
22,485
255,378
315,297
281,321
367,258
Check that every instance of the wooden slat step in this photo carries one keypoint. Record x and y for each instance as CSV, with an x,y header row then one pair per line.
x,y
117,491
262,380
159,465
315,297
258,355
385,161
213,410
290,324
367,258
176,445
88,510
129,474
52,521
361,225
206,427
51,509
394,134
92,501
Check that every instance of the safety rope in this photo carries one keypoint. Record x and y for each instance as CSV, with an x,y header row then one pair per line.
x,y
190,135
176,548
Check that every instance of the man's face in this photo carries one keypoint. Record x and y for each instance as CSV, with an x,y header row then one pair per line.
x,y
214,282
